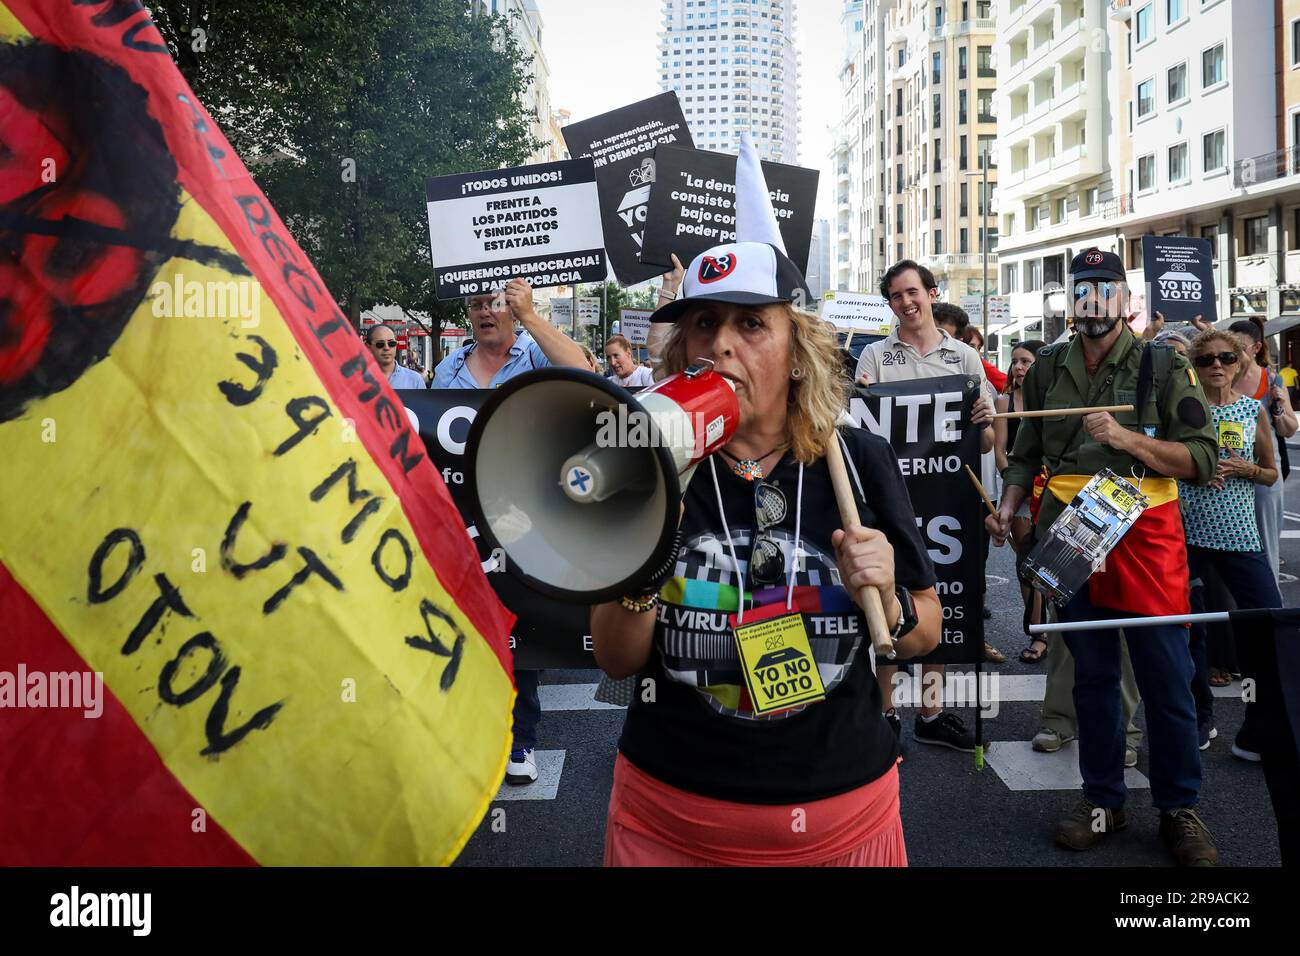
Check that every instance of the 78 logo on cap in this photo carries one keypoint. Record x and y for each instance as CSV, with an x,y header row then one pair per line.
x,y
713,268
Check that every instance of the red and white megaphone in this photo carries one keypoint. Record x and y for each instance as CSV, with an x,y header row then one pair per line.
x,y
578,481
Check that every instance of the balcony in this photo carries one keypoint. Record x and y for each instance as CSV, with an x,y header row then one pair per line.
x,y
1121,205
1121,10
1266,168
1069,31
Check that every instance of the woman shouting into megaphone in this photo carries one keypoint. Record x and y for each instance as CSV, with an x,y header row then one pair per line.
x,y
755,735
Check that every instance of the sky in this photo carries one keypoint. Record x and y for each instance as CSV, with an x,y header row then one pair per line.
x,y
604,55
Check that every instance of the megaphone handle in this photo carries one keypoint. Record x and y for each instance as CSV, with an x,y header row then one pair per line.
x,y
868,596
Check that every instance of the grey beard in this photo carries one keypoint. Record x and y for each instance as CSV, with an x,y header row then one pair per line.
x,y
1095,328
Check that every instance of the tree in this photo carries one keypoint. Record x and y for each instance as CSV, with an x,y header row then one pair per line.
x,y
342,109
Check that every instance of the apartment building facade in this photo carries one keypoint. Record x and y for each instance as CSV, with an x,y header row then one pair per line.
x,y
1149,117
922,86
735,68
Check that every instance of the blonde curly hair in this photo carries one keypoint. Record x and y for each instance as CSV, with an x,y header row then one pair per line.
x,y
816,399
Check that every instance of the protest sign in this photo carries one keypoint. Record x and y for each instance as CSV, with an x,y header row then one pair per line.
x,y
1179,273
540,223
635,324
858,312
692,205
927,421
999,310
562,312
589,310
621,144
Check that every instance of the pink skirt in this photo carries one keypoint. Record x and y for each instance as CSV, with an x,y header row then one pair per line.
x,y
653,824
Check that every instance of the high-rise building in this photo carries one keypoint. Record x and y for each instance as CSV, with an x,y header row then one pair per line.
x,y
734,66
819,260
917,121
1149,117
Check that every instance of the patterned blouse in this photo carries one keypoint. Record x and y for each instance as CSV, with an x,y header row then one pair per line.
x,y
1225,520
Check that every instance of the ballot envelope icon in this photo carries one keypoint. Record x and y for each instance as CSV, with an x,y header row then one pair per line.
x,y
779,657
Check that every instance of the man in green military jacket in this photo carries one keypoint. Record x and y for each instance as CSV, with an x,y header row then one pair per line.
x,y
1167,437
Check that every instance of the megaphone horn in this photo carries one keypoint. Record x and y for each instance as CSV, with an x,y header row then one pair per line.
x,y
578,480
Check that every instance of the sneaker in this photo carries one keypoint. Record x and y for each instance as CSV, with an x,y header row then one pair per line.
x,y
1188,838
522,768
946,730
1130,757
1088,824
1244,747
1208,733
1048,741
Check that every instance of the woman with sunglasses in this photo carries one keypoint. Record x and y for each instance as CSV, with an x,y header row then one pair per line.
x,y
706,774
1260,382
1219,518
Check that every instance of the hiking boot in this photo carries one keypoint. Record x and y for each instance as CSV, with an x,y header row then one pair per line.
x,y
1188,838
1088,824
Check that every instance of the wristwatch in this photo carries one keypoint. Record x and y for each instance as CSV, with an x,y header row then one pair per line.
x,y
906,620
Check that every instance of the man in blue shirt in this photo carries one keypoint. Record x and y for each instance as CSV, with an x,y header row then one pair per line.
x,y
497,354
382,342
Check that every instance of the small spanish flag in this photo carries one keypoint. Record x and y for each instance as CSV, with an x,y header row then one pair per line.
x,y
1146,572
241,619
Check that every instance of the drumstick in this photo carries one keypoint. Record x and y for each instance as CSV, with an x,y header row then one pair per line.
x,y
868,596
1052,412
979,486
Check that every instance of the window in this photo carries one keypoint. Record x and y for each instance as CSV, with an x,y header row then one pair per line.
x,y
1146,97
1142,24
938,242
985,106
1211,235
1033,275
1175,10
1295,43
1146,173
1212,66
937,149
1214,151
902,57
1091,200
961,63
936,111
1135,253
961,107
1177,83
1178,171
984,62
964,209
961,155
1255,236
1010,279
985,145
935,63
962,241
938,14
938,201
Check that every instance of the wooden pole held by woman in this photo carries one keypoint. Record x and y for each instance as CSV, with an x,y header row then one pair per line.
x,y
868,596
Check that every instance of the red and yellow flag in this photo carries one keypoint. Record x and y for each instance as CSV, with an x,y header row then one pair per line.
x,y
209,496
